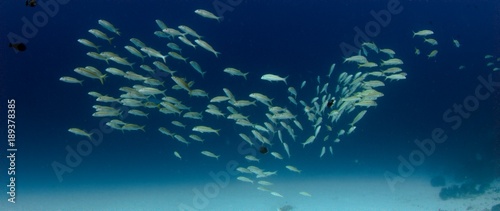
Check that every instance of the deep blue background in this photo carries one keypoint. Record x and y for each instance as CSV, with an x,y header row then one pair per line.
x,y
299,38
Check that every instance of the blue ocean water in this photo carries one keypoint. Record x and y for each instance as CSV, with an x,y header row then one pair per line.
x,y
297,39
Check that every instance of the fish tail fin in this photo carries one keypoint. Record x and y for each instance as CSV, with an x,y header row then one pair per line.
x,y
109,40
413,33
118,32
245,76
81,83
102,79
216,54
217,132
203,74
164,57
97,47
142,128
90,135
285,79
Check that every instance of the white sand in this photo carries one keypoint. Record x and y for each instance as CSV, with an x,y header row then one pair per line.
x,y
337,193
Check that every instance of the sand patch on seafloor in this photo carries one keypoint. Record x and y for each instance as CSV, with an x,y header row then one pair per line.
x,y
337,193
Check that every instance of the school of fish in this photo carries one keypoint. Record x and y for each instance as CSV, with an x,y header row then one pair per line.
x,y
297,122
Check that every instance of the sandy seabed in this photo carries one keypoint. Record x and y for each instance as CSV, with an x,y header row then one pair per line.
x,y
336,193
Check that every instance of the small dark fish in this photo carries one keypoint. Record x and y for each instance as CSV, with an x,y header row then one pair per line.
x,y
18,46
330,103
30,3
263,150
